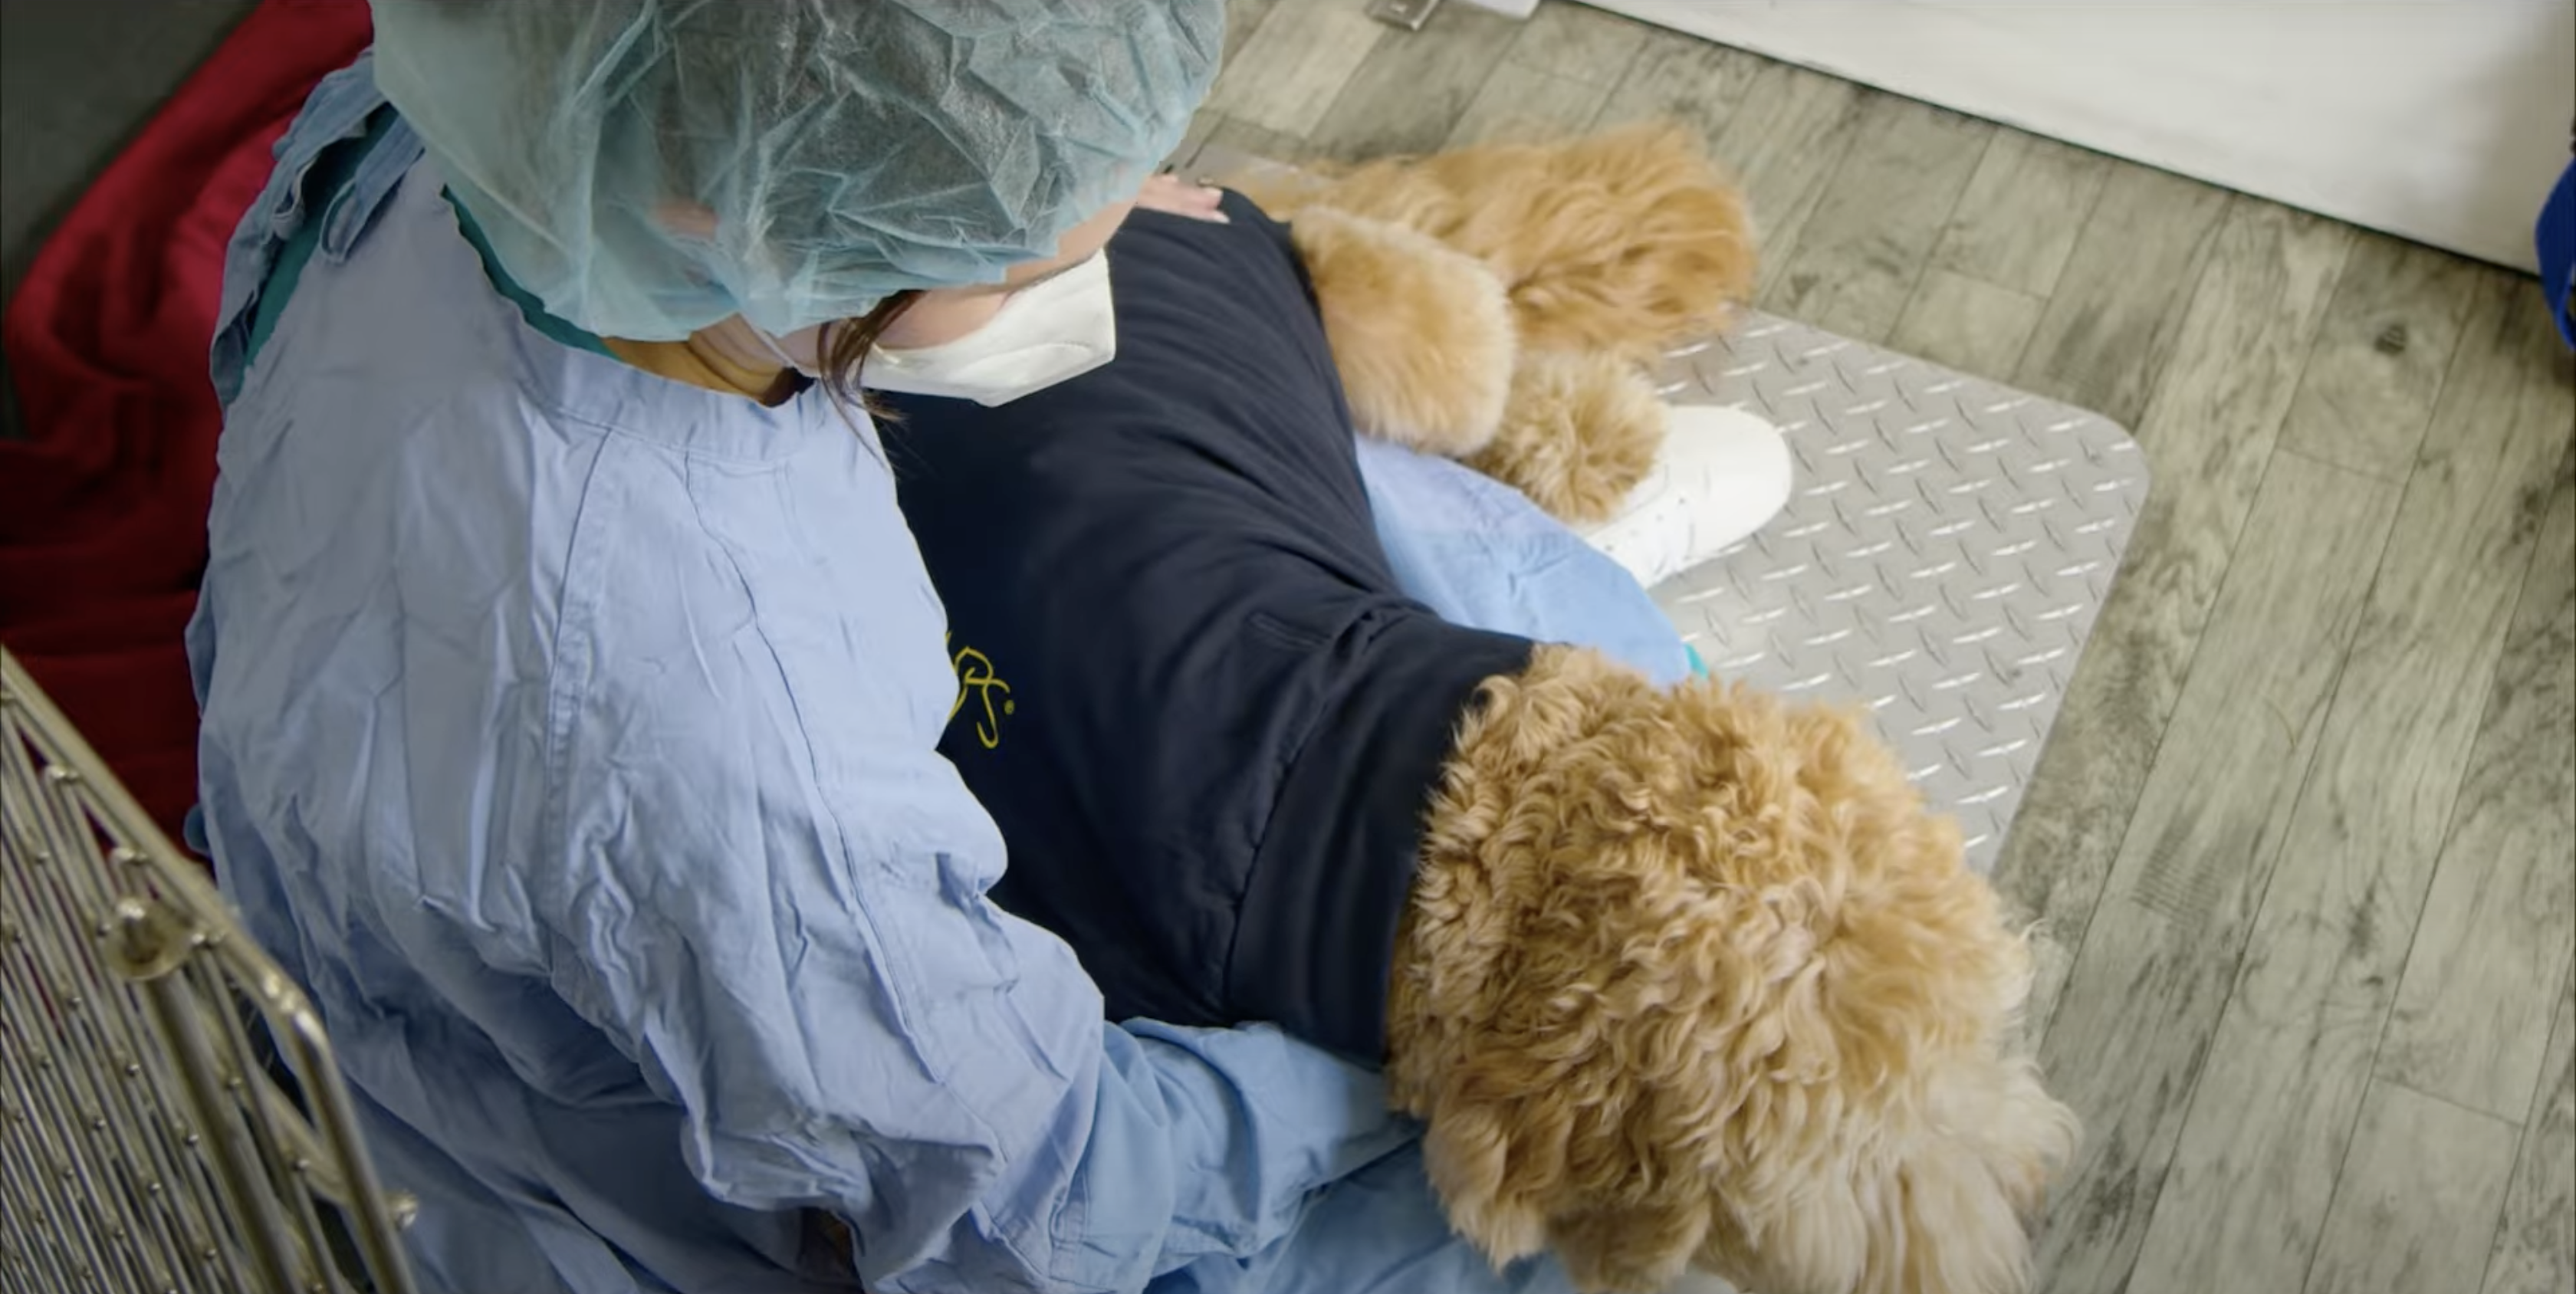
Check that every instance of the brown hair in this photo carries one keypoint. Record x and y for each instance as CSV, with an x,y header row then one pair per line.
x,y
845,352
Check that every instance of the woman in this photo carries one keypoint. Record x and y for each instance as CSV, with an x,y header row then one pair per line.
x,y
570,684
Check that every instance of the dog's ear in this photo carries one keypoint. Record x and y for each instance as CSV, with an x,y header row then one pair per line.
x,y
1421,334
1693,974
1942,1184
1545,1026
1919,1141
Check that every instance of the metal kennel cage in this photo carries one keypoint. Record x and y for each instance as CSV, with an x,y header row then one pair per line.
x,y
146,1144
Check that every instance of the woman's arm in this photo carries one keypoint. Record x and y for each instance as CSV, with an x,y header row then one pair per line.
x,y
856,1032
772,898
1481,554
994,1150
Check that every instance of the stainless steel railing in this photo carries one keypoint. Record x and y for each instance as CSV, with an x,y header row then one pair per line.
x,y
144,1145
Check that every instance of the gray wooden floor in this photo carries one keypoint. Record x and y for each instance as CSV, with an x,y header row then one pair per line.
x,y
2304,841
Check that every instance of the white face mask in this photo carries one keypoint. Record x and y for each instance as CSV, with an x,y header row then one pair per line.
x,y
1059,329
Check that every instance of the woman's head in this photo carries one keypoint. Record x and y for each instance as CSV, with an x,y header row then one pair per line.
x,y
836,152
1066,327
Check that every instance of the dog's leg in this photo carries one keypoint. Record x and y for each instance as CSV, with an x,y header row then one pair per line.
x,y
1422,334
1577,433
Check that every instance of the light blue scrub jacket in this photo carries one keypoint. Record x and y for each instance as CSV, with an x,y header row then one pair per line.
x,y
569,734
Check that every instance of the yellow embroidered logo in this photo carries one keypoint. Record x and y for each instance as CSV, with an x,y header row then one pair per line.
x,y
975,677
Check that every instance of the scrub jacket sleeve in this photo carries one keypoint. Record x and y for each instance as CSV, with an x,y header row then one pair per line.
x,y
850,1025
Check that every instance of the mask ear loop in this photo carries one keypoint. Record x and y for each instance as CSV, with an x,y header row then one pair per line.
x,y
779,352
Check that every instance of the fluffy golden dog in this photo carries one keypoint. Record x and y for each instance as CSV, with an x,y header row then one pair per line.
x,y
1498,304
1674,977
1690,975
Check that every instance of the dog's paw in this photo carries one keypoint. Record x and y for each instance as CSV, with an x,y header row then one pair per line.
x,y
1579,431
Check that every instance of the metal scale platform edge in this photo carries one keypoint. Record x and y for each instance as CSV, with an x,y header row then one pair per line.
x,y
1947,546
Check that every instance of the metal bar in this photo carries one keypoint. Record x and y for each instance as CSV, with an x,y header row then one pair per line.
x,y
92,1018
230,1151
49,1132
373,1212
143,1144
288,1154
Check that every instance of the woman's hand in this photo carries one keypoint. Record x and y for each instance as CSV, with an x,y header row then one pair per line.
x,y
1170,193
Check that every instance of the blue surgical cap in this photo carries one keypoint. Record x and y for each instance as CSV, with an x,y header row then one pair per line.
x,y
648,167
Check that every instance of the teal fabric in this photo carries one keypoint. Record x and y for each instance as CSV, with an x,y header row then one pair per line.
x,y
530,308
326,184
323,185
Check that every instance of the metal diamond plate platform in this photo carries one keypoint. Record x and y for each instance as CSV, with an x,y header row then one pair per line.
x,y
1941,560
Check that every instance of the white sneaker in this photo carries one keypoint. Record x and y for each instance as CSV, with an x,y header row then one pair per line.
x,y
1724,474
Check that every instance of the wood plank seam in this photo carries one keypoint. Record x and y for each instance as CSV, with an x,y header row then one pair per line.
x,y
2092,208
2204,258
2156,748
2534,1119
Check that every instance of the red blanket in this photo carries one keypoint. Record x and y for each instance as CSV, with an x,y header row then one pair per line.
x,y
103,508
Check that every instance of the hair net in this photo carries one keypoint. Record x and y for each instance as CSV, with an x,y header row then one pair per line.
x,y
648,167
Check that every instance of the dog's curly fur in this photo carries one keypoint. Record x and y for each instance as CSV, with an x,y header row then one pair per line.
x,y
1691,976
1421,333
1579,430
1626,241
1495,304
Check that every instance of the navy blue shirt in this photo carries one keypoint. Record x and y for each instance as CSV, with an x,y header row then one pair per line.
x,y
1192,695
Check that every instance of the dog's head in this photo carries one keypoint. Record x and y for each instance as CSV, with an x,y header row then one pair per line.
x,y
1692,976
